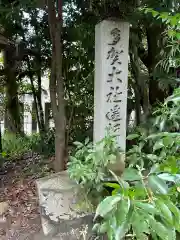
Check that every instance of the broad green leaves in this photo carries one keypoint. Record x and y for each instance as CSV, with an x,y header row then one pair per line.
x,y
131,174
157,185
107,205
146,207
164,211
150,213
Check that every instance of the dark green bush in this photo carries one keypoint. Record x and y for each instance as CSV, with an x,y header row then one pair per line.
x,y
15,146
43,145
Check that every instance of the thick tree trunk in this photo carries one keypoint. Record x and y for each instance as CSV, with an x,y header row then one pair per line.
x,y
155,44
12,101
56,82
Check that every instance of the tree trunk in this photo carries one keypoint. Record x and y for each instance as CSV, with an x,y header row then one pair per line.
x,y
12,101
136,86
39,102
38,62
33,92
155,41
0,140
56,82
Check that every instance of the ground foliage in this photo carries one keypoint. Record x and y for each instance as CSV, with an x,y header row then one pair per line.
x,y
144,201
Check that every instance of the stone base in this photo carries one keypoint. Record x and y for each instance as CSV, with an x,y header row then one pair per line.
x,y
59,215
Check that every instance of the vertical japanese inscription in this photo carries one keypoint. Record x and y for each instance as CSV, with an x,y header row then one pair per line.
x,y
113,96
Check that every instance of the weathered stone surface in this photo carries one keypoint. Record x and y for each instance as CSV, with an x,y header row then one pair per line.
x,y
111,80
3,207
59,215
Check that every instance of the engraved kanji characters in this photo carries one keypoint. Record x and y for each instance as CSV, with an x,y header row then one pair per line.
x,y
116,34
115,127
114,72
114,94
114,55
114,114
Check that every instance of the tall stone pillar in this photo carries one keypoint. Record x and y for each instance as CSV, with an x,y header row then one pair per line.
x,y
111,80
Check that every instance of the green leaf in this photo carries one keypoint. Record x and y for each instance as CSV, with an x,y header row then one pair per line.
x,y
107,205
155,168
121,182
131,174
157,185
132,136
166,213
78,144
112,185
121,231
164,15
168,141
96,227
86,141
103,228
158,145
178,37
169,177
154,13
171,234
122,211
173,20
171,33
148,208
176,213
140,222
139,225
158,228
152,157
4,154
162,125
174,98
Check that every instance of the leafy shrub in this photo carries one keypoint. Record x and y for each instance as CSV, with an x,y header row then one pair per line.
x,y
14,146
89,166
152,149
168,114
45,145
141,206
49,142
144,202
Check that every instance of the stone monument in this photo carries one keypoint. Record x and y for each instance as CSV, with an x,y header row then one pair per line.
x,y
111,80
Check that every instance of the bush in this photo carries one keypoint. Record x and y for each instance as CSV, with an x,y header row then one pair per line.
x,y
14,146
44,146
144,201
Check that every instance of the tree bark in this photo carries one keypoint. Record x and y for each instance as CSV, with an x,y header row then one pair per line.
x,y
39,102
56,82
38,62
12,100
33,93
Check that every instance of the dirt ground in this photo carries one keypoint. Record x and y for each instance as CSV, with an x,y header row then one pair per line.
x,y
21,220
